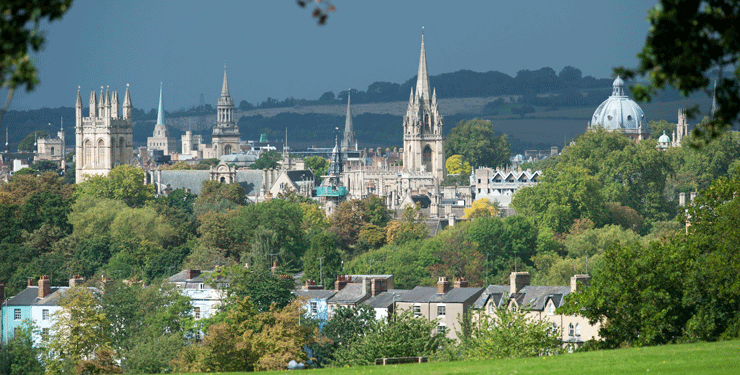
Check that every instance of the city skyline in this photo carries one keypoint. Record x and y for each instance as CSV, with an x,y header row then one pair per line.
x,y
275,49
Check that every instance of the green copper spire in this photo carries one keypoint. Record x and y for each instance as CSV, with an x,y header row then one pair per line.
x,y
160,112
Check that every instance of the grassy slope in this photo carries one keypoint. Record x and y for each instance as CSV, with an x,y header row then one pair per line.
x,y
702,358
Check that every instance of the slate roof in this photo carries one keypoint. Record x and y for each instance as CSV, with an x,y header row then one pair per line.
x,y
427,294
534,297
182,277
315,293
250,180
30,297
385,299
300,175
492,291
352,293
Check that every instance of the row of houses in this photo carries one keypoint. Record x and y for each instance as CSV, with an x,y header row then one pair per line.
x,y
444,304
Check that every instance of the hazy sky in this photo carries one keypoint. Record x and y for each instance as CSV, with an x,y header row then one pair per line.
x,y
273,48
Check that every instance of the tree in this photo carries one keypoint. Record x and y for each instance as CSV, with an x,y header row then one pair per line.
x,y
322,260
124,182
478,145
19,356
261,287
508,334
79,331
481,208
658,128
318,165
455,165
207,164
245,105
267,160
410,227
687,40
346,325
347,221
28,144
45,166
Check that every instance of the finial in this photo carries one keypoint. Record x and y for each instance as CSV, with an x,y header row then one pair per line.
x,y
127,85
78,87
422,30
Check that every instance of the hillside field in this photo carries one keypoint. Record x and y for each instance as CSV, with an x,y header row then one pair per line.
x,y
702,358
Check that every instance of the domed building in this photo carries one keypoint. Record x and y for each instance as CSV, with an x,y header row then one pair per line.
x,y
620,113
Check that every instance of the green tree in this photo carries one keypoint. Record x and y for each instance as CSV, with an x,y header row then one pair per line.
x,y
262,287
455,165
508,334
686,41
658,128
79,331
45,166
346,325
322,260
28,144
19,356
124,182
267,160
407,263
206,164
478,145
318,165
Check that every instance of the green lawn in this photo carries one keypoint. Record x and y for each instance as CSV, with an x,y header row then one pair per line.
x,y
704,358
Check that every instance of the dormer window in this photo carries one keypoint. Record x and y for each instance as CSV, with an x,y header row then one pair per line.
x,y
551,309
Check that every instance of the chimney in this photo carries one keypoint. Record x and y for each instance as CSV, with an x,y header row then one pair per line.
x,y
191,274
340,283
76,280
29,282
378,286
44,286
459,282
451,218
443,286
693,196
2,293
311,285
575,280
681,199
517,281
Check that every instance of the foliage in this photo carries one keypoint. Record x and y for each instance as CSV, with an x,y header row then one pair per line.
x,y
346,325
45,166
28,144
406,336
78,333
687,40
410,227
456,257
481,207
267,160
318,165
507,334
456,166
19,356
261,287
347,221
214,191
124,183
475,141
206,164
21,187
323,245
658,128
407,263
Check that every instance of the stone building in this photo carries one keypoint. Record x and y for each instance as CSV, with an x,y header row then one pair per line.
x,y
226,137
160,139
620,113
104,139
349,141
52,148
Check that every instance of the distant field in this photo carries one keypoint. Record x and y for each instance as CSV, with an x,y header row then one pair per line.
x,y
703,358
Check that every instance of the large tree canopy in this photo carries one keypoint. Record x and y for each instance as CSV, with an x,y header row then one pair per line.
x,y
477,143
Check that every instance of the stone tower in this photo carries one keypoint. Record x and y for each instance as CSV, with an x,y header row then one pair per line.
x,y
103,139
226,135
160,139
423,143
348,141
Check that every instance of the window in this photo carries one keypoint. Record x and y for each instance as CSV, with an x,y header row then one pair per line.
x,y
200,286
491,308
17,314
578,329
571,330
196,312
314,308
45,314
441,310
441,329
417,310
551,309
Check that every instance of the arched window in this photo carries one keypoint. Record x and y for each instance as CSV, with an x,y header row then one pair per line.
x,y
427,158
578,329
223,179
101,153
227,150
571,330
551,309
87,155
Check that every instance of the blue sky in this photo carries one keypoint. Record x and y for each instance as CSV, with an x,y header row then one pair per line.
x,y
273,48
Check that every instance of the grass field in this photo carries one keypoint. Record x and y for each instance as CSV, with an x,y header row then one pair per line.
x,y
703,358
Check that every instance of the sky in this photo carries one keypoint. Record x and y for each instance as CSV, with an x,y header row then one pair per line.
x,y
273,48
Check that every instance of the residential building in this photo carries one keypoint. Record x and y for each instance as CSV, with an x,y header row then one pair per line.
x,y
196,285
444,304
352,290
384,303
316,301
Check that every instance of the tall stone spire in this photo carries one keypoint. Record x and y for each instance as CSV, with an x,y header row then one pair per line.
x,y
78,104
93,104
160,110
349,131
225,86
422,79
127,106
714,100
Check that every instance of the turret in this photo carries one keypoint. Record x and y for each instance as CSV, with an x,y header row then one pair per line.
x,y
107,104
127,107
114,104
101,103
78,106
93,104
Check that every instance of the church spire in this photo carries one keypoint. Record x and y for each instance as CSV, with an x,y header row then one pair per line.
x,y
714,100
160,110
349,131
422,79
225,86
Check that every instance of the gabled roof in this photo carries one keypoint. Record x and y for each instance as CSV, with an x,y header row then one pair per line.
x,y
315,293
386,299
534,297
182,277
492,291
300,175
30,297
427,294
351,294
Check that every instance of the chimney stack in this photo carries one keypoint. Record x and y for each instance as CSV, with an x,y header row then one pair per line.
x,y
517,281
681,199
2,293
378,286
443,286
459,282
191,274
44,286
29,282
311,285
341,282
583,280
693,196
76,280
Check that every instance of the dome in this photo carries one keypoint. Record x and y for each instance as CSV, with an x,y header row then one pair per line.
x,y
664,138
619,112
